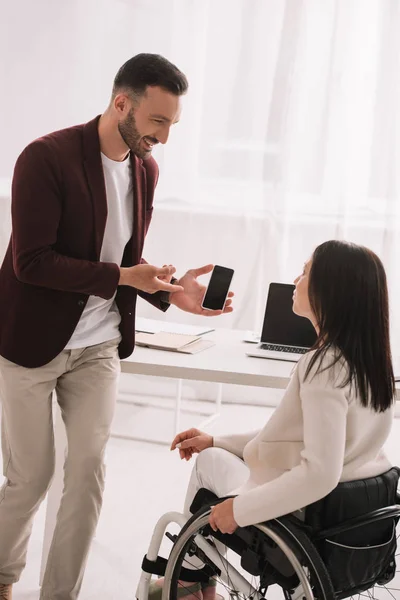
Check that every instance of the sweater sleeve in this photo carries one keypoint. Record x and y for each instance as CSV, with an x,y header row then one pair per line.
x,y
235,443
324,407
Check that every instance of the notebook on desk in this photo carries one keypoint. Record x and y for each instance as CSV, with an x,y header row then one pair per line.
x,y
174,342
285,335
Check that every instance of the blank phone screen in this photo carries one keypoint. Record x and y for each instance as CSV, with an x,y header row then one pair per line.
x,y
218,288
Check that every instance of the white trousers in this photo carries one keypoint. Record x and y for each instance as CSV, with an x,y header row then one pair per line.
x,y
220,472
216,470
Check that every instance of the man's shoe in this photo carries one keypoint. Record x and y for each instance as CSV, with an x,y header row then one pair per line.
x,y
5,591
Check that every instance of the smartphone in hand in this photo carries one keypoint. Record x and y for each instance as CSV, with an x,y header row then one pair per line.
x,y
218,288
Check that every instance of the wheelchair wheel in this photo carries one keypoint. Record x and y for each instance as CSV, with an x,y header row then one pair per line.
x,y
263,561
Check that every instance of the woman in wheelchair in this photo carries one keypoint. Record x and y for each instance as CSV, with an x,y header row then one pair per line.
x,y
332,422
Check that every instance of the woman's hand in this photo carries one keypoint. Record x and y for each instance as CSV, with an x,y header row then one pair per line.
x,y
190,442
222,518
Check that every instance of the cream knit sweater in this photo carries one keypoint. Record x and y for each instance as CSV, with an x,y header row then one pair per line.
x,y
318,435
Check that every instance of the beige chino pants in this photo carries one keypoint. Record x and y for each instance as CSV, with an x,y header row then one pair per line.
x,y
85,381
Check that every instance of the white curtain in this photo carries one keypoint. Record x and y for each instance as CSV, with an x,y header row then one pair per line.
x,y
294,106
292,122
289,135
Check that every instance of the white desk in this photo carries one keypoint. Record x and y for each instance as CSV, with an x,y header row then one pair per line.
x,y
226,362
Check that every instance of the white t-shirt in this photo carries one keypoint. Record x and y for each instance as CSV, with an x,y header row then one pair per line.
x,y
100,319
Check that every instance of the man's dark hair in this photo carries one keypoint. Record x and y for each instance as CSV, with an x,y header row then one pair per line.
x,y
349,296
144,70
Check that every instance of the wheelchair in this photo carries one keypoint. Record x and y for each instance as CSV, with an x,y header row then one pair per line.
x,y
344,548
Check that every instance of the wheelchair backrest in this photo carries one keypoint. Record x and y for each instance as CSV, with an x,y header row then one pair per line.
x,y
353,499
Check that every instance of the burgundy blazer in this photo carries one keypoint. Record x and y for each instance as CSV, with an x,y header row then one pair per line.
x,y
51,267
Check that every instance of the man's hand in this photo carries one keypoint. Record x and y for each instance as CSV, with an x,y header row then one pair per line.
x,y
149,278
191,297
190,442
168,277
222,518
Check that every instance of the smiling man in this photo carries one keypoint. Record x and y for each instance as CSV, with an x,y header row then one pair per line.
x,y
82,200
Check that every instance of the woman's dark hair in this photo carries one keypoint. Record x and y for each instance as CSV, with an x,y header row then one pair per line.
x,y
348,295
144,70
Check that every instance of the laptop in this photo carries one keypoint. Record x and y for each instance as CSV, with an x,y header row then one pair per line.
x,y
285,336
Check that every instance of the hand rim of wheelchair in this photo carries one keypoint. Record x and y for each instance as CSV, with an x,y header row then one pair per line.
x,y
295,537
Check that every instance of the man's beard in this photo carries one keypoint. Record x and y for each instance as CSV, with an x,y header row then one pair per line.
x,y
131,135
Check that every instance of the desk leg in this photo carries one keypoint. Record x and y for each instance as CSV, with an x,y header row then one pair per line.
x,y
56,489
218,404
178,405
177,414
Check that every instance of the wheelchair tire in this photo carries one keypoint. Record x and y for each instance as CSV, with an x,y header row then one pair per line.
x,y
300,554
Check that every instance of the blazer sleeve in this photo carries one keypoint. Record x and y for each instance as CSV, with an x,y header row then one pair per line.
x,y
36,212
324,407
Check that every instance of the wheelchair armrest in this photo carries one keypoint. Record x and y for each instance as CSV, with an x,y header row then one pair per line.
x,y
203,498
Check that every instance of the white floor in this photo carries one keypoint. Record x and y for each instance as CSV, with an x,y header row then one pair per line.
x,y
143,481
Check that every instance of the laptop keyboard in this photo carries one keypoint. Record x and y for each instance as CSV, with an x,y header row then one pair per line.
x,y
277,348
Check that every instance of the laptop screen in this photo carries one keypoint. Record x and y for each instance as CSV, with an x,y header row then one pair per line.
x,y
281,325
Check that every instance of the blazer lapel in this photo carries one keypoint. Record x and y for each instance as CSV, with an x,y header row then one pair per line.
x,y
95,176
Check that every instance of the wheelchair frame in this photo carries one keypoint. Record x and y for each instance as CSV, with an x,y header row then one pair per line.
x,y
235,577
201,519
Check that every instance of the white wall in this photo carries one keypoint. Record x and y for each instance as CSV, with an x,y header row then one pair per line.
x,y
58,60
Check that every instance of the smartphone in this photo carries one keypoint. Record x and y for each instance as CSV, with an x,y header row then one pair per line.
x,y
218,288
